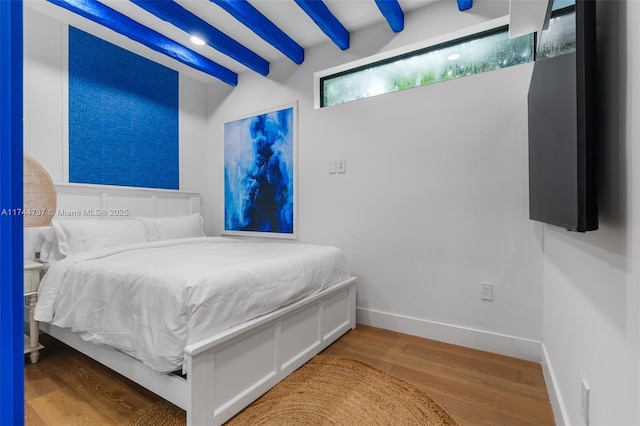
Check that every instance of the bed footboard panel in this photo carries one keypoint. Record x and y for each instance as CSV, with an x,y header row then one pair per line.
x,y
234,368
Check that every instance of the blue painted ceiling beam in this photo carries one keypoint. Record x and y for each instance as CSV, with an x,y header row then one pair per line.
x,y
392,12
180,17
103,15
245,13
328,23
464,5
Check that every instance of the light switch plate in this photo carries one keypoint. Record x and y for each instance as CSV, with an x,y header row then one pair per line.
x,y
331,166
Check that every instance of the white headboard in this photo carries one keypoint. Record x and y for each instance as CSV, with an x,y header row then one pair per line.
x,y
81,202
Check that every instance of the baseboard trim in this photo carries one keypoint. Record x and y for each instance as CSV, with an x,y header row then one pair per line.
x,y
502,344
557,404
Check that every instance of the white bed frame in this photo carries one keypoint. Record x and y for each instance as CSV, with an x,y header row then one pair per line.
x,y
227,371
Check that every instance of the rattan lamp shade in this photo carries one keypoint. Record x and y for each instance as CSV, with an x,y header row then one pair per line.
x,y
39,194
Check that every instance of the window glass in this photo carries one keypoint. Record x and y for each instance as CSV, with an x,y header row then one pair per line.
x,y
561,4
472,55
560,36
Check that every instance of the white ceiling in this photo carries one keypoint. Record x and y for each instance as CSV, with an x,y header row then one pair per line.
x,y
526,16
286,14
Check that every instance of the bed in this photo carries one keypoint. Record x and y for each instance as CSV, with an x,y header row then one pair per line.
x,y
210,337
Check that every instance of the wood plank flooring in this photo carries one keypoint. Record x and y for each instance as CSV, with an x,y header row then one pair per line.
x,y
475,387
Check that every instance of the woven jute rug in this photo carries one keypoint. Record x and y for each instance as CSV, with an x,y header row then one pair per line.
x,y
328,390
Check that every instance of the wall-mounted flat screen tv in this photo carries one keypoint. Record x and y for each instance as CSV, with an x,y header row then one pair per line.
x,y
563,128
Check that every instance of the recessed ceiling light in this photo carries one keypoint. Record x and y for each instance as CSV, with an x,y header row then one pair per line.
x,y
196,40
453,56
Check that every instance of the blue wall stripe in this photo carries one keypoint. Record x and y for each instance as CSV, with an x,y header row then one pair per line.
x,y
11,222
123,116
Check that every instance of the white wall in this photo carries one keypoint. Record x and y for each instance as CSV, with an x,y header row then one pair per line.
x,y
435,198
45,105
591,296
44,73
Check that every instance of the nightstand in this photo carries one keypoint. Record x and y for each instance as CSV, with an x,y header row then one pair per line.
x,y
32,344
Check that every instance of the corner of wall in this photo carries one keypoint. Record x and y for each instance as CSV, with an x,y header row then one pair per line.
x,y
557,404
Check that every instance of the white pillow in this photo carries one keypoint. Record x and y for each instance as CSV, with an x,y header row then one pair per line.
x,y
77,236
49,250
165,228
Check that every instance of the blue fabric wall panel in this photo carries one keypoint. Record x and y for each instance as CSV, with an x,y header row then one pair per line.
x,y
123,116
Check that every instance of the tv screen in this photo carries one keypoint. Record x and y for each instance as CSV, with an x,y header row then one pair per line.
x,y
562,121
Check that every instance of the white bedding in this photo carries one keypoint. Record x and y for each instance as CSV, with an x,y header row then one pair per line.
x,y
152,299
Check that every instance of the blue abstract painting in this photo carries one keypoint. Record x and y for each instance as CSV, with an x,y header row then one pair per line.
x,y
259,174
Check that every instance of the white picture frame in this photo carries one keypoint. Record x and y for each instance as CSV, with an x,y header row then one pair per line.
x,y
260,173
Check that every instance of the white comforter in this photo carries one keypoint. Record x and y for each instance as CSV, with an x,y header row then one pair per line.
x,y
151,300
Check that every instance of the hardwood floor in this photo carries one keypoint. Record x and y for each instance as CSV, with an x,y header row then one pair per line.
x,y
67,388
475,387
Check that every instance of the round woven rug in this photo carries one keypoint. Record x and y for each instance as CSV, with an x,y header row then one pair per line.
x,y
329,390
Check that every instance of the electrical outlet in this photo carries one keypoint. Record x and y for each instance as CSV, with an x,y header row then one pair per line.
x,y
341,166
486,291
331,166
584,402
